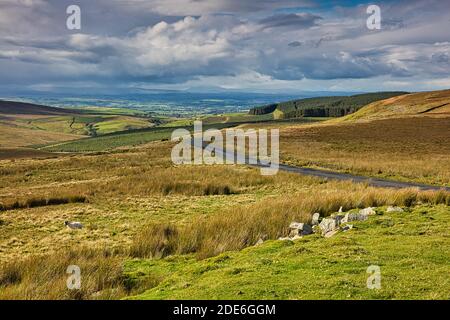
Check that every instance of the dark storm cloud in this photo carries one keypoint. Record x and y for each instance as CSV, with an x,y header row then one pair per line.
x,y
200,7
295,44
292,20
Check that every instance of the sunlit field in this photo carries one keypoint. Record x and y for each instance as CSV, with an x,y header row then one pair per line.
x,y
406,149
131,209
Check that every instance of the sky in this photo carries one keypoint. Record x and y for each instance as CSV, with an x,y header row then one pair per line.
x,y
273,46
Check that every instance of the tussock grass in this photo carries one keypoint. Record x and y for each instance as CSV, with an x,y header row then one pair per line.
x,y
42,202
257,207
410,247
139,173
191,181
268,219
45,277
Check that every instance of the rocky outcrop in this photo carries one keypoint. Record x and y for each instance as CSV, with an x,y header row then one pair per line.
x,y
329,226
315,219
300,229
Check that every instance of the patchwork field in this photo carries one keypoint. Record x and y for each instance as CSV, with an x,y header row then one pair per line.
x,y
124,139
23,124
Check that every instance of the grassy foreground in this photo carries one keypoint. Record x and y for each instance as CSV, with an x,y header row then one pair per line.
x,y
155,230
201,214
411,248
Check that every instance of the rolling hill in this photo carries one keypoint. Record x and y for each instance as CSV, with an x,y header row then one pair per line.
x,y
14,107
333,106
432,103
26,124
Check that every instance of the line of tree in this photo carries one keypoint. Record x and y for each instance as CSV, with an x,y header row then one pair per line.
x,y
333,106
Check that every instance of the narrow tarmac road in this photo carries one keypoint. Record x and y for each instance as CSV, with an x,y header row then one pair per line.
x,y
375,182
371,181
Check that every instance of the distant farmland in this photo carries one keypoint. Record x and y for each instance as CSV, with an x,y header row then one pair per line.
x,y
122,139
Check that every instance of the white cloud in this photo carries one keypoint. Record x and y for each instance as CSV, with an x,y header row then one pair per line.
x,y
271,48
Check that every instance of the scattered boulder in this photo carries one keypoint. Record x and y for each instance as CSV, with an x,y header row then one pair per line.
x,y
300,229
328,224
73,225
315,219
259,242
296,225
394,209
347,227
331,233
354,217
362,215
368,211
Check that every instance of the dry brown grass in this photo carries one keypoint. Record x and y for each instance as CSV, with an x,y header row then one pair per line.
x,y
434,102
267,219
45,277
13,136
123,191
24,153
144,172
188,209
414,149
42,202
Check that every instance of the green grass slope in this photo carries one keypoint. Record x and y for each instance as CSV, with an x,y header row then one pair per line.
x,y
124,139
26,124
411,248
